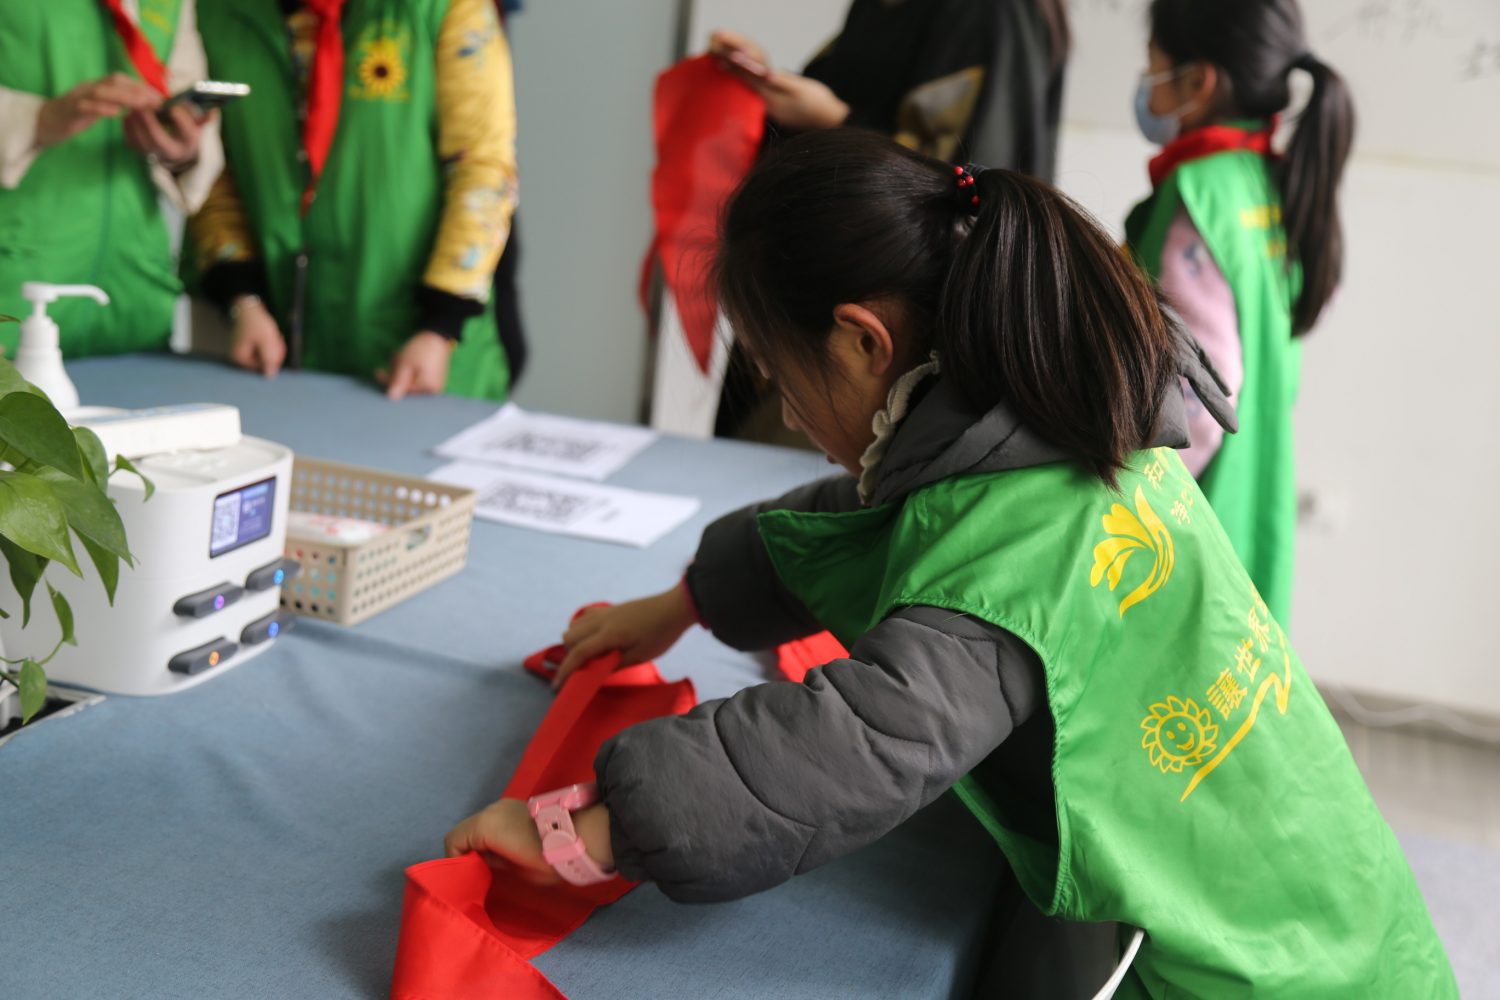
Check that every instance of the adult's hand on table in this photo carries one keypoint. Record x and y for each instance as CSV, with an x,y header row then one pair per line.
x,y
61,118
256,343
420,367
173,144
641,630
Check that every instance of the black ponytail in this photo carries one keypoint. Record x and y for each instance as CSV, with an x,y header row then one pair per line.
x,y
1029,301
1310,178
1042,310
1257,44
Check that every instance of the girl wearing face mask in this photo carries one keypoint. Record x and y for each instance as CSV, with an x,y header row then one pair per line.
x,y
1245,242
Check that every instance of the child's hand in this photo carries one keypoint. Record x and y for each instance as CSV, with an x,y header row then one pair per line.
x,y
503,832
641,630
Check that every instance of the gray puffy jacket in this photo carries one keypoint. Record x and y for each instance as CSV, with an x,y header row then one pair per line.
x,y
742,793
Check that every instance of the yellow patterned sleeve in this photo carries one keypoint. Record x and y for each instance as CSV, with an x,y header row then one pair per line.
x,y
220,230
477,145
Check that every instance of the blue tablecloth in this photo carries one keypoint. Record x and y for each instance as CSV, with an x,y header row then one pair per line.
x,y
246,838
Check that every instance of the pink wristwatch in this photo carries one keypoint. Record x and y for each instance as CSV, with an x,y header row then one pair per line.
x,y
560,844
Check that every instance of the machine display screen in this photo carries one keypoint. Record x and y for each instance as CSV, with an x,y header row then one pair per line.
x,y
242,516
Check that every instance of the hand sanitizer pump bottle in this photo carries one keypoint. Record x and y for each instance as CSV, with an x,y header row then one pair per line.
x,y
39,356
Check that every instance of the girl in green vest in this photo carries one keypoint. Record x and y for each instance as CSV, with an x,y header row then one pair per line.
x,y
1246,244
1041,609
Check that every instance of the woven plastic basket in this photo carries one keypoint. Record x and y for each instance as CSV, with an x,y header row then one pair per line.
x,y
348,582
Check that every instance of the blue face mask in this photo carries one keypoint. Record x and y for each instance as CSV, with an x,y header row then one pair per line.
x,y
1158,129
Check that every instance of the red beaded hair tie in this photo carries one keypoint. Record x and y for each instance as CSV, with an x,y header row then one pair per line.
x,y
968,198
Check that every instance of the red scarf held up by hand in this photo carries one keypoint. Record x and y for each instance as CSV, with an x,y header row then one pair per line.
x,y
1209,139
324,92
142,56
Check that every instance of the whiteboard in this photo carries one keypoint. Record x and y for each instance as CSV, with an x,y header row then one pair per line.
x,y
1425,74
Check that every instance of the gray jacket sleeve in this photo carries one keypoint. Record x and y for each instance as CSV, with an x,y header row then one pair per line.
x,y
739,597
742,793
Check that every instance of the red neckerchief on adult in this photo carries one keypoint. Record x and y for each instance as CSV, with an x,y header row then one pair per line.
x,y
1205,141
324,92
467,932
708,127
142,56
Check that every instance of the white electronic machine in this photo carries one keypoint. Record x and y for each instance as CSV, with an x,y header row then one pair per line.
x,y
204,593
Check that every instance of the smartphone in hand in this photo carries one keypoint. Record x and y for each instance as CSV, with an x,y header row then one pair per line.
x,y
202,97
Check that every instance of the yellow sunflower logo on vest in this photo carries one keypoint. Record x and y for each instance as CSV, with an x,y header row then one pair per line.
x,y
380,66
1178,734
1131,533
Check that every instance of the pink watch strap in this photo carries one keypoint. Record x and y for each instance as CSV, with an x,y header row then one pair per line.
x,y
561,847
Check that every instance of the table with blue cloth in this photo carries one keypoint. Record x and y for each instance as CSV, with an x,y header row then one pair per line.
x,y
246,838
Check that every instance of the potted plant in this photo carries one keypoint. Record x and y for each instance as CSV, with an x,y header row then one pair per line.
x,y
52,489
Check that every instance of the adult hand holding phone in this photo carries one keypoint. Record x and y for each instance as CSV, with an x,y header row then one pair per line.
x,y
173,143
61,118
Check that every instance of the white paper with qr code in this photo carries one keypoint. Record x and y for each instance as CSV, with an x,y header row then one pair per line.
x,y
567,446
568,506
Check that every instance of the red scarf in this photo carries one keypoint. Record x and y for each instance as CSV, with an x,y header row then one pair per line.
x,y
324,91
708,126
467,931
1205,141
141,54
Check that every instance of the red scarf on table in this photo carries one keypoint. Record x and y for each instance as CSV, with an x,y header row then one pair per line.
x,y
1209,139
708,128
324,92
468,932
142,56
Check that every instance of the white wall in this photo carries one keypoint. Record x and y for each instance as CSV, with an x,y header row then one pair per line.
x,y
584,73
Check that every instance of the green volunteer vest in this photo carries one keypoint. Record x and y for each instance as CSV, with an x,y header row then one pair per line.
x,y
371,226
1251,481
1202,790
86,210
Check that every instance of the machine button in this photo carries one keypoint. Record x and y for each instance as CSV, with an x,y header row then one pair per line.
x,y
204,657
272,574
206,602
266,628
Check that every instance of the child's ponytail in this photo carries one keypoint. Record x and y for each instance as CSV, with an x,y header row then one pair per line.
x,y
1042,310
1310,178
1258,44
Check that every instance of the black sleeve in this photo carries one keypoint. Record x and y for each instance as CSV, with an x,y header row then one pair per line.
x,y
742,793
739,597
443,312
228,280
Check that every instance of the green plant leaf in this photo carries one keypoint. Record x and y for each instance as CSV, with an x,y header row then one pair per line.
x,y
11,381
95,461
89,512
107,563
33,688
32,426
32,516
4,614
123,464
64,612
26,569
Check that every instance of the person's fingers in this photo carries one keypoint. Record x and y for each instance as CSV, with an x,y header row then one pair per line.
x,y
382,376
163,143
583,626
242,352
401,379
188,125
272,356
125,91
93,109
580,654
457,840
